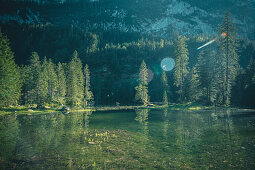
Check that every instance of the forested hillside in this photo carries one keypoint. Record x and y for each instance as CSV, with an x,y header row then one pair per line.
x,y
52,47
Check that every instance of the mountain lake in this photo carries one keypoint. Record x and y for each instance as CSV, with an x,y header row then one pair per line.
x,y
129,139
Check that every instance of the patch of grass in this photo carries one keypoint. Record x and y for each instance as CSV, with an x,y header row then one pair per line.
x,y
26,110
57,108
195,108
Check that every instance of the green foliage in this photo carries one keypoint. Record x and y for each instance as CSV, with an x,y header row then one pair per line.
x,y
206,77
165,87
228,65
75,82
61,84
191,85
93,44
165,100
243,91
42,84
52,82
10,78
88,95
164,81
142,89
181,65
31,78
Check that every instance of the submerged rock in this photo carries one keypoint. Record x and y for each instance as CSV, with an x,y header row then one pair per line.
x,y
41,107
65,109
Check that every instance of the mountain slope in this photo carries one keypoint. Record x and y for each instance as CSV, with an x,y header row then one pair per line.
x,y
160,18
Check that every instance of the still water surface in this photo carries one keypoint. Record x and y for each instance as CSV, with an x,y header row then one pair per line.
x,y
141,139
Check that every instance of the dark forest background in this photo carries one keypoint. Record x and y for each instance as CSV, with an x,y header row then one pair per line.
x,y
114,56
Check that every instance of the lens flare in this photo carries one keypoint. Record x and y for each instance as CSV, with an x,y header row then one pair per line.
x,y
222,35
167,64
150,75
149,78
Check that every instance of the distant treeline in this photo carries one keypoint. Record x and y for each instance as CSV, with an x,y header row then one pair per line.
x,y
215,77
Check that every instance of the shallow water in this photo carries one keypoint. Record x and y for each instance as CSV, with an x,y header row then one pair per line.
x,y
141,139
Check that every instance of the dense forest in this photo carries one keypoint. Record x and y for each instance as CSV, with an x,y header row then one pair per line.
x,y
106,72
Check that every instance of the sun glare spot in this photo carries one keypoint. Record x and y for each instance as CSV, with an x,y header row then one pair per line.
x,y
167,64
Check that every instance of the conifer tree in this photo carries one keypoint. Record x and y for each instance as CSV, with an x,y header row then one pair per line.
x,y
42,85
250,71
31,79
52,82
10,79
88,95
142,89
191,85
205,69
249,88
181,65
165,100
75,82
228,59
165,87
61,84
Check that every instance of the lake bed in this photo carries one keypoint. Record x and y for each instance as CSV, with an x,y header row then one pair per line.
x,y
130,139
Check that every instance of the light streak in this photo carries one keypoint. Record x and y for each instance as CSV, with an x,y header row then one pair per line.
x,y
222,35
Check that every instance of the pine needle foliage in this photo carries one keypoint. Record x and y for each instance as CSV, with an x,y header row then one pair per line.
x,y
142,89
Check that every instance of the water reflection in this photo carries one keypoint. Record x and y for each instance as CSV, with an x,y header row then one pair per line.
x,y
165,124
142,139
142,118
9,130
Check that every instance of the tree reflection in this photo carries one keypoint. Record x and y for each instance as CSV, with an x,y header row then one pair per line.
x,y
142,117
174,139
9,129
165,123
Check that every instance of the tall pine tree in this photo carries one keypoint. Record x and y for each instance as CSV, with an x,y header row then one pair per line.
x,y
10,78
42,85
32,73
88,95
52,82
228,65
142,89
192,92
61,84
205,69
75,82
165,87
181,66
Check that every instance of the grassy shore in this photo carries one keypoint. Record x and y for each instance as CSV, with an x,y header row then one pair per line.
x,y
29,110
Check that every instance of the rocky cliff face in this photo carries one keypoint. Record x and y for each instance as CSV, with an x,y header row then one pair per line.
x,y
160,18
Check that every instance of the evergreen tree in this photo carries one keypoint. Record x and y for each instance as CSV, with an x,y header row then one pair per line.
x,y
142,89
249,85
61,84
32,73
93,44
205,77
181,65
250,72
165,100
88,95
52,82
164,81
228,60
165,87
192,92
42,85
75,82
10,78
